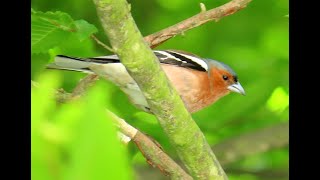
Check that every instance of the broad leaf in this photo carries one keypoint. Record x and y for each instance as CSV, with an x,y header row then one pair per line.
x,y
84,29
50,29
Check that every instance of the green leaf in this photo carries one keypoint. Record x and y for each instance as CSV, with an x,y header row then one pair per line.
x,y
84,29
279,100
49,29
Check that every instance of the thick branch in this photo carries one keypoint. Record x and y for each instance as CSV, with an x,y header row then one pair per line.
x,y
154,155
214,14
183,133
258,141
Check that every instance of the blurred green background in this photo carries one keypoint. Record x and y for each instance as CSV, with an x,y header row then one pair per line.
x,y
76,140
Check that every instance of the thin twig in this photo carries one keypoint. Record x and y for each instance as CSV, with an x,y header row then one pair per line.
x,y
124,138
101,43
83,85
203,7
60,95
227,9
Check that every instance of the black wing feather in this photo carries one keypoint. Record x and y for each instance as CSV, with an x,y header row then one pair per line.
x,y
93,59
182,62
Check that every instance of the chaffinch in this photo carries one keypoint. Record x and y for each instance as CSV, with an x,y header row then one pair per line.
x,y
200,82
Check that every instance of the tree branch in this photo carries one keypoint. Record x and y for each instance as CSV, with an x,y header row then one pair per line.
x,y
255,142
135,54
216,14
101,43
83,85
154,155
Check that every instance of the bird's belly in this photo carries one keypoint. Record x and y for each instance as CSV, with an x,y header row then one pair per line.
x,y
191,85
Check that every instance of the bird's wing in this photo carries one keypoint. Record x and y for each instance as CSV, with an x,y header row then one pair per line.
x,y
173,57
182,59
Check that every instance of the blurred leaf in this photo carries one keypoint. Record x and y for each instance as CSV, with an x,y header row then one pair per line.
x,y
42,100
84,29
42,103
278,101
39,61
96,153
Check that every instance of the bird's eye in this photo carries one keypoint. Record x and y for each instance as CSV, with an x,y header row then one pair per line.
x,y
225,77
235,79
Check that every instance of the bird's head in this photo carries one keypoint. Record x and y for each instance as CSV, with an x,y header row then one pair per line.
x,y
225,80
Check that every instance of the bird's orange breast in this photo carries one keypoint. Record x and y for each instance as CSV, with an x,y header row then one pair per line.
x,y
196,88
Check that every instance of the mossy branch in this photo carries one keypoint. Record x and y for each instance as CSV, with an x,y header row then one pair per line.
x,y
136,55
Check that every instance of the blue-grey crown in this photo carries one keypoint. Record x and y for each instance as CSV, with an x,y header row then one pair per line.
x,y
222,65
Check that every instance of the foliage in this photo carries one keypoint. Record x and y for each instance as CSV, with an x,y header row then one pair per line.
x,y
49,29
76,140
254,42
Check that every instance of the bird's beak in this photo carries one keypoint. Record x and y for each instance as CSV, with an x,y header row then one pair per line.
x,y
237,88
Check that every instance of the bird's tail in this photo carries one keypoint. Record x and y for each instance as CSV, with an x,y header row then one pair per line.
x,y
80,64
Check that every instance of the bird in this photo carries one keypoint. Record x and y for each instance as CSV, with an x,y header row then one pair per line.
x,y
200,82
